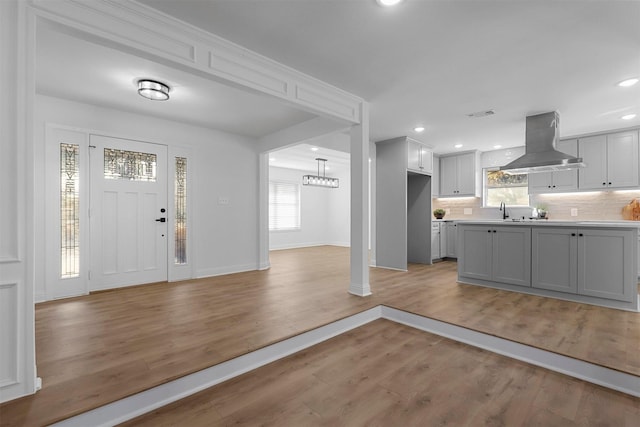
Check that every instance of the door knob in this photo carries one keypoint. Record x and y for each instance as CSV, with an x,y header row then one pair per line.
x,y
161,220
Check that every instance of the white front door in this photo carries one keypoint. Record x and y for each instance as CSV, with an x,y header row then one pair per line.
x,y
128,212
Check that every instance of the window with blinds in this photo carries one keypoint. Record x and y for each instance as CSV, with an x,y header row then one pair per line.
x,y
284,206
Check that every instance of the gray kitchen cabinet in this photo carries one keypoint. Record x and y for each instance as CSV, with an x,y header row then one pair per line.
x,y
438,240
560,181
459,175
419,157
476,252
554,259
606,263
584,261
451,237
612,161
496,253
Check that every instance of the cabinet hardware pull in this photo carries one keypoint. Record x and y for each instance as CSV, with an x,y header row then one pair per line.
x,y
580,234
573,234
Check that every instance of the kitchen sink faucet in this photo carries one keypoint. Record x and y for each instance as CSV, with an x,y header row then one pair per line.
x,y
503,209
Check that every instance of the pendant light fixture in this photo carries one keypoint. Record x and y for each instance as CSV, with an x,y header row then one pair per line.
x,y
153,90
320,181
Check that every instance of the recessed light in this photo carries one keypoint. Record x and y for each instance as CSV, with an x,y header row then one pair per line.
x,y
387,3
419,129
314,148
497,146
628,82
457,146
628,117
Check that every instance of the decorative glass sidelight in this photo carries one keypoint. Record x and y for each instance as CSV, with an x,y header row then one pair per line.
x,y
181,211
69,210
129,165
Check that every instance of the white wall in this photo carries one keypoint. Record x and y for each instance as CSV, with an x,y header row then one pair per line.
x,y
324,213
221,164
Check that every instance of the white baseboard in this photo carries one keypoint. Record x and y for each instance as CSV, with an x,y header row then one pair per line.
x,y
141,403
211,272
296,246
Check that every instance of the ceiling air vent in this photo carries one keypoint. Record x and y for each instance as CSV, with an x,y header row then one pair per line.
x,y
482,113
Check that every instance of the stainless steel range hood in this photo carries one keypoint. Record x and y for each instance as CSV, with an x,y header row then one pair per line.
x,y
540,148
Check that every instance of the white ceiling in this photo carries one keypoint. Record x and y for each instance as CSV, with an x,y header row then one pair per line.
x,y
424,62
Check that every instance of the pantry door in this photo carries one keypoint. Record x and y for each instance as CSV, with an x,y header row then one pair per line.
x,y
128,213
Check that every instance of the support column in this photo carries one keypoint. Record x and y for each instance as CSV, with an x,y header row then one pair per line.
x,y
360,205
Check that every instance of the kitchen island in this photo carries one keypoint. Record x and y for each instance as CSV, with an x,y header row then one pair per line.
x,y
588,262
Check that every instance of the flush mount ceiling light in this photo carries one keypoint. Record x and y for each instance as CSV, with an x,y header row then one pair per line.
x,y
153,90
628,82
388,3
628,117
419,129
320,181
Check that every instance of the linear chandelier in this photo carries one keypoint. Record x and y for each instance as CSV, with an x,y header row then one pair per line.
x,y
321,181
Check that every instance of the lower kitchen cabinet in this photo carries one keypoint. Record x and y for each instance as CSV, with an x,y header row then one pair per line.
x,y
554,259
606,279
451,237
496,253
593,262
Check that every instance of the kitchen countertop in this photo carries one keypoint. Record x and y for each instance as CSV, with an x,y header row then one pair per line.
x,y
551,223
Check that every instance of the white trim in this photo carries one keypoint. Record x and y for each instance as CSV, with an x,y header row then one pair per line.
x,y
227,269
297,245
9,293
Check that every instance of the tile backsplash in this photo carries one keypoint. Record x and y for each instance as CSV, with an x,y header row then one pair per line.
x,y
600,205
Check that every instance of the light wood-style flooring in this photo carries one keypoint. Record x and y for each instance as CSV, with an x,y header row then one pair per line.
x,y
386,374
99,348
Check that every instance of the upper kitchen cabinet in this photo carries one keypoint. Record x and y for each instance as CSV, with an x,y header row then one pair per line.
x,y
560,181
459,175
612,161
419,157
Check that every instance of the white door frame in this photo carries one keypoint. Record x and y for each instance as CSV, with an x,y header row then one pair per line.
x,y
53,133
